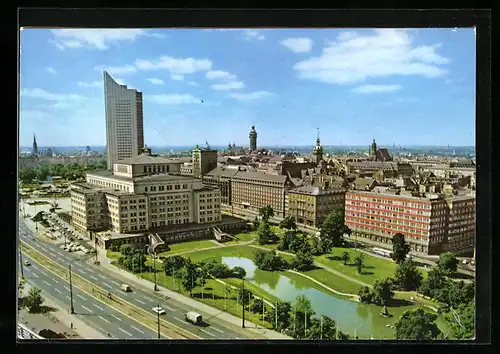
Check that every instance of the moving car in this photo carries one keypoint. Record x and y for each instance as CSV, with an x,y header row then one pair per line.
x,y
26,263
159,310
193,317
126,287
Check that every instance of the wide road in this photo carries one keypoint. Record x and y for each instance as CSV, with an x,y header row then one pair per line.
x,y
145,299
88,309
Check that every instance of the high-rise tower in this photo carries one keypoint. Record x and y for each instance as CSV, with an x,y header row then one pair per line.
x,y
35,146
373,151
253,138
318,151
124,121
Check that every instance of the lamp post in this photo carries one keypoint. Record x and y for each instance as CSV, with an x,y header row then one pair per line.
x,y
158,321
154,270
72,309
21,262
243,304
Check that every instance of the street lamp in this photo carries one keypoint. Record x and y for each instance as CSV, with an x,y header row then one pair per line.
x,y
72,308
158,318
154,270
243,303
21,261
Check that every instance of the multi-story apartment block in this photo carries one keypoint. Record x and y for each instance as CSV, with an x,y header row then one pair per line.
x,y
204,160
254,190
310,205
423,220
220,177
141,194
461,223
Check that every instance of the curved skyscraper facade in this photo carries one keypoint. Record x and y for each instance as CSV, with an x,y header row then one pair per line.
x,y
124,121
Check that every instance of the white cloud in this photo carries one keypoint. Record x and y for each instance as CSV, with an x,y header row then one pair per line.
x,y
251,96
91,84
156,81
173,99
177,77
232,85
193,83
298,45
96,38
45,95
253,34
377,88
218,74
117,70
354,58
51,70
175,65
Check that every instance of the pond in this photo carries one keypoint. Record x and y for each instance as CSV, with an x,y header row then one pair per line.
x,y
352,317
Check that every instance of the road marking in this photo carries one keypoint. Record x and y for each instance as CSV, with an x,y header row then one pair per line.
x,y
91,276
169,308
34,274
107,285
81,270
99,307
137,329
216,329
46,282
89,310
124,331
55,281
213,335
118,318
142,302
147,298
66,288
105,320
59,291
178,319
81,297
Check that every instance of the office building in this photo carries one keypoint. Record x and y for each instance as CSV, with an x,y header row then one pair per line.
x,y
124,121
310,205
431,224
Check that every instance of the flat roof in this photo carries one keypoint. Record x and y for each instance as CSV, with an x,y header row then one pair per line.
x,y
154,177
261,176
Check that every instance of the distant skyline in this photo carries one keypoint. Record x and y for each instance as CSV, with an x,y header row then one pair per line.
x,y
408,87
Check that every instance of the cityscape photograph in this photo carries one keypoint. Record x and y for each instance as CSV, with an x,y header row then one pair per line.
x,y
232,184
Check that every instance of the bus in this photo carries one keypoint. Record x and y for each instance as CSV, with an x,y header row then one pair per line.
x,y
382,252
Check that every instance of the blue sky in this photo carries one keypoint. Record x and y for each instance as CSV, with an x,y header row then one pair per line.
x,y
414,86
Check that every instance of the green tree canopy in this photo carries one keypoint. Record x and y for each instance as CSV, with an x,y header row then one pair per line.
x,y
303,261
366,295
406,276
265,234
434,282
345,257
288,223
173,264
359,262
382,291
399,248
282,315
333,228
34,300
448,263
417,325
266,213
190,276
239,272
269,261
462,320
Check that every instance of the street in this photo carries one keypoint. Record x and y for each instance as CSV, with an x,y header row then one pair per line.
x,y
84,267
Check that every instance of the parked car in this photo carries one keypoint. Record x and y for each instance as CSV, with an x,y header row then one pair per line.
x,y
464,261
159,310
26,263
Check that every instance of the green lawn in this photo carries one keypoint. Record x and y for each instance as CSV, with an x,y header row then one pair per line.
x,y
248,236
234,251
188,246
329,279
113,255
374,267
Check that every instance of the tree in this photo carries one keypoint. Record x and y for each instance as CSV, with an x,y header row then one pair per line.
x,y
137,262
256,305
434,282
269,261
288,223
448,263
462,321
298,242
190,276
20,286
286,239
34,300
266,236
399,248
173,264
303,261
266,213
407,277
345,257
366,295
333,228
256,223
282,315
318,247
417,325
358,261
323,328
221,270
382,291
459,293
343,336
127,249
303,313
239,272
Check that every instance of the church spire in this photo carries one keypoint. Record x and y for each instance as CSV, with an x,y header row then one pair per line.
x,y
35,145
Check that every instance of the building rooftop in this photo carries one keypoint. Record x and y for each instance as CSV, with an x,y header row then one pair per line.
x,y
221,171
151,177
148,159
309,190
261,176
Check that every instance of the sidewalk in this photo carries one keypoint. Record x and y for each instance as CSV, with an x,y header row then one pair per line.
x,y
210,311
58,321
